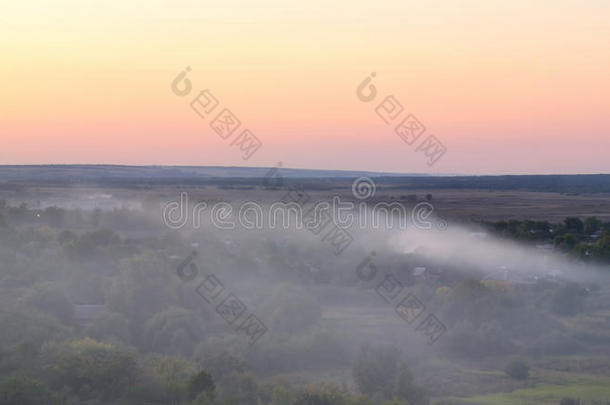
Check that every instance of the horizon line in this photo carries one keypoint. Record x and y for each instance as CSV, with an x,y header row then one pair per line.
x,y
372,172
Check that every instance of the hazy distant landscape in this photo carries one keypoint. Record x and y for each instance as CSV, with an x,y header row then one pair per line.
x,y
106,302
115,175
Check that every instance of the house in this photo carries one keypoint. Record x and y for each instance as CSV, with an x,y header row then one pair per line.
x,y
419,273
425,274
504,275
319,276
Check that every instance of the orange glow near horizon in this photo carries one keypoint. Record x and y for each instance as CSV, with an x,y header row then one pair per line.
x,y
508,87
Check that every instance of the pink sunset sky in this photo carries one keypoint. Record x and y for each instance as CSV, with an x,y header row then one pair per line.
x,y
507,87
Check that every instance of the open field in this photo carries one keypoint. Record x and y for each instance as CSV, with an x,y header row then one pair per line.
x,y
587,389
454,204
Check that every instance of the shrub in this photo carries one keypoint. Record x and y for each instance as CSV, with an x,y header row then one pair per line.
x,y
517,369
380,372
89,368
201,383
24,391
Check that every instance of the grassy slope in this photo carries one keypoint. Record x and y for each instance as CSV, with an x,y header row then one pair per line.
x,y
586,389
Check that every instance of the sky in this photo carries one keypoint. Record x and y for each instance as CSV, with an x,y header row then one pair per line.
x,y
514,87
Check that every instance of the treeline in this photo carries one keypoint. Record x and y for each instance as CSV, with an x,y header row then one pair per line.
x,y
587,240
87,371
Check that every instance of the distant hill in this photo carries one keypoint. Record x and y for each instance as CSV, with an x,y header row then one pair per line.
x,y
60,173
129,176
